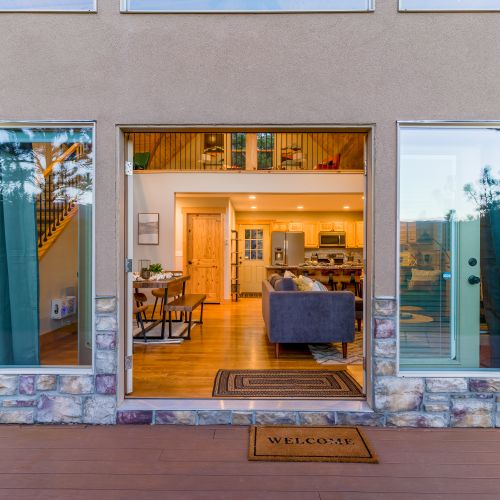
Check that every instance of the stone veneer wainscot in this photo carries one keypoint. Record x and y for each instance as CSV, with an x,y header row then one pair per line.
x,y
68,399
398,401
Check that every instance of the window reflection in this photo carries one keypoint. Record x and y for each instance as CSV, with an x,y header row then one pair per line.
x,y
248,5
449,248
46,196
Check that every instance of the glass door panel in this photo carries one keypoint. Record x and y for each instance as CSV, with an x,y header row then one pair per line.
x,y
449,243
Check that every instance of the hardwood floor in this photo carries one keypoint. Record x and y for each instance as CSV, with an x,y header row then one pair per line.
x,y
232,336
60,348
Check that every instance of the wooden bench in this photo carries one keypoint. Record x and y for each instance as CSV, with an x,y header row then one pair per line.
x,y
185,304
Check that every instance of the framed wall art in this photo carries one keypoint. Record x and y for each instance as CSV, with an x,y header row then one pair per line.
x,y
149,229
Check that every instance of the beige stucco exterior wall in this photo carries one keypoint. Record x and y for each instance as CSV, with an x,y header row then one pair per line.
x,y
284,69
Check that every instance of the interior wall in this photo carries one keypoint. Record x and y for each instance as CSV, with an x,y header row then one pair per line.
x,y
58,276
156,192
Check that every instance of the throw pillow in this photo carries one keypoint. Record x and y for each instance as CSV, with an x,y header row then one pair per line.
x,y
273,278
319,287
289,274
285,285
304,284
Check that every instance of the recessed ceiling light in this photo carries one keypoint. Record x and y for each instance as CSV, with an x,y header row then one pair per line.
x,y
252,197
300,207
362,197
253,208
346,207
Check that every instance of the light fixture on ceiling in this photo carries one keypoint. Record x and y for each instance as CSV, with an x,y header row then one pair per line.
x,y
252,197
362,197
253,207
300,207
346,207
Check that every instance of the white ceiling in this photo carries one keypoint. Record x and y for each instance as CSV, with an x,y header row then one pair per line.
x,y
289,202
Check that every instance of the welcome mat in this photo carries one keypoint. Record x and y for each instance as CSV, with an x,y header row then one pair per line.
x,y
279,443
295,384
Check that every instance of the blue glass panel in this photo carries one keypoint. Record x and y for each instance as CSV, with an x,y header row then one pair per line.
x,y
248,5
48,5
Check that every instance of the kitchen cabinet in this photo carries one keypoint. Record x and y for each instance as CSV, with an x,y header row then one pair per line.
x,y
350,234
325,226
295,226
338,226
311,235
360,234
354,234
279,226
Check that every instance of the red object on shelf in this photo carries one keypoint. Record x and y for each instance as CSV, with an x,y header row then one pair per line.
x,y
331,163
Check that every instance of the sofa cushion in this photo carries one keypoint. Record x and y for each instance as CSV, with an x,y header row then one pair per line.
x,y
285,285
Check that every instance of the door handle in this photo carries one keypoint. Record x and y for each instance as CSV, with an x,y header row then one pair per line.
x,y
190,262
474,280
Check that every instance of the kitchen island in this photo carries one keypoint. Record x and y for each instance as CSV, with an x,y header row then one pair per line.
x,y
336,276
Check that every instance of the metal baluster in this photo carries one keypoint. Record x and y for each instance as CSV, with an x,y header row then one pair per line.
x,y
39,216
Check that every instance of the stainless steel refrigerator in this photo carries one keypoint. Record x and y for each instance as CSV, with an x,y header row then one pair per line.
x,y
287,248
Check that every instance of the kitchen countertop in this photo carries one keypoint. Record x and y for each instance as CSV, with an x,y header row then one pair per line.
x,y
327,267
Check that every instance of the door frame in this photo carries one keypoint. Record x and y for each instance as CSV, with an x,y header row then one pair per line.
x,y
222,261
365,405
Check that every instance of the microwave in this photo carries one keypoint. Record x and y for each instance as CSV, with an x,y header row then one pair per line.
x,y
332,239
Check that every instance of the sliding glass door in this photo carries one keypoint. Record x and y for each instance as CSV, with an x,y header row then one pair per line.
x,y
449,277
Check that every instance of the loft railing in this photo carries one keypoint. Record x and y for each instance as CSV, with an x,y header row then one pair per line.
x,y
250,151
57,200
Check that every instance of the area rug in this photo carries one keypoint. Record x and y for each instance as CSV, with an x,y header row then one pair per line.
x,y
278,443
331,354
277,384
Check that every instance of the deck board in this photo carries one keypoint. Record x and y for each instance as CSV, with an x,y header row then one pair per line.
x,y
205,463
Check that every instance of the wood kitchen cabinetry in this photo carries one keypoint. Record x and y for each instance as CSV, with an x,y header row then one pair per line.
x,y
279,226
311,239
354,234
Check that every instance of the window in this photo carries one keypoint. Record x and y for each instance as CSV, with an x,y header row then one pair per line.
x,y
49,5
448,5
238,150
254,241
449,278
265,150
245,5
46,245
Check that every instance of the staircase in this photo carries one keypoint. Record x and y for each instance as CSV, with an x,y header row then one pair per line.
x,y
57,203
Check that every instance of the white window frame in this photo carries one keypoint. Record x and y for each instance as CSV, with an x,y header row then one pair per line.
x,y
402,8
54,9
62,370
432,372
125,10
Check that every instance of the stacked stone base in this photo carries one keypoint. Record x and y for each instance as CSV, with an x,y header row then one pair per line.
x,y
398,401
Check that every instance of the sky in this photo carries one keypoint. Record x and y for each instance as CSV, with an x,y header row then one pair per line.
x,y
47,4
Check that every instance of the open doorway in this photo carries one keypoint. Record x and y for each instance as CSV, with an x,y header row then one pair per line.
x,y
239,236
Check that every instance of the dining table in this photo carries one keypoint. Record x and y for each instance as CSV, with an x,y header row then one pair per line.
x,y
164,284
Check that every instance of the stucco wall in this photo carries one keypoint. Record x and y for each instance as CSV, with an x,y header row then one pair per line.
x,y
284,69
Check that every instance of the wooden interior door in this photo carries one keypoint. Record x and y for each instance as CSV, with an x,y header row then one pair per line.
x,y
204,255
254,256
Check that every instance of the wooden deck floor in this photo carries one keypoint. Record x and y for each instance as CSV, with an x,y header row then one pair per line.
x,y
209,463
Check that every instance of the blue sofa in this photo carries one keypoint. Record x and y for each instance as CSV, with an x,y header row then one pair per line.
x,y
308,317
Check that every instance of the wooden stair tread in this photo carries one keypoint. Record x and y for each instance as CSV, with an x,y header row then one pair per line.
x,y
187,302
